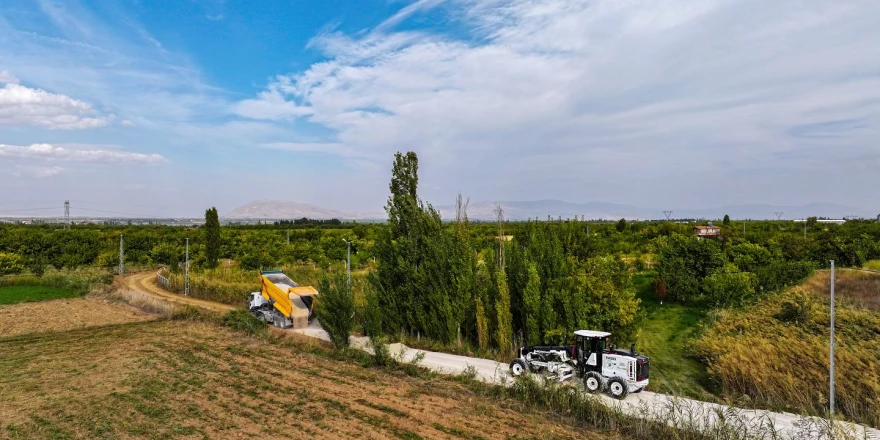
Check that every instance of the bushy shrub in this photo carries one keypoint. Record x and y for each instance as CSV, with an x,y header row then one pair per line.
x,y
10,264
729,287
683,263
334,308
243,321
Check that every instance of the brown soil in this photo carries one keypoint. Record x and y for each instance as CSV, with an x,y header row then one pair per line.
x,y
856,287
65,314
168,379
146,282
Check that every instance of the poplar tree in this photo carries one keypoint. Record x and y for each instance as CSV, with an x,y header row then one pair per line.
x,y
532,306
504,320
212,238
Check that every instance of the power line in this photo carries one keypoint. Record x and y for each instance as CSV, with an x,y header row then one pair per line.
x,y
27,209
116,212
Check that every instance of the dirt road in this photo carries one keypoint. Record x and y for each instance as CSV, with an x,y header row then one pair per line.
x,y
145,282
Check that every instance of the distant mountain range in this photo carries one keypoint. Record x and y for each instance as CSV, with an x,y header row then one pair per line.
x,y
522,210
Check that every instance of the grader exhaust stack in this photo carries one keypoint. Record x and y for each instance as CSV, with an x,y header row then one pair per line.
x,y
282,302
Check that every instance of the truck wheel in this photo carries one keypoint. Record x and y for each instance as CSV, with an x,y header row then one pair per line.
x,y
618,389
593,382
518,367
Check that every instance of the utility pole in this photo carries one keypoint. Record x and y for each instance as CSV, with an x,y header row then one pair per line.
x,y
288,236
667,214
121,256
348,264
67,214
805,229
779,215
186,271
831,382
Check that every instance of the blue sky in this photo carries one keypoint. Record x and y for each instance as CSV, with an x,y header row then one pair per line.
x,y
165,108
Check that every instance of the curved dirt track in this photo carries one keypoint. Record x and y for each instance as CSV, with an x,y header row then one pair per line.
x,y
146,282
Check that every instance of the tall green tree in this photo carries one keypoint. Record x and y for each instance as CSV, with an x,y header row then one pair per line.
x,y
532,306
726,221
212,238
621,225
504,320
334,308
419,262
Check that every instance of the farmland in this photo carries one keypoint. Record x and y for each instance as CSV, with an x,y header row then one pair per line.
x,y
192,378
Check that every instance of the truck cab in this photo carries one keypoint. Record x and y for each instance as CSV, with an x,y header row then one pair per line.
x,y
602,367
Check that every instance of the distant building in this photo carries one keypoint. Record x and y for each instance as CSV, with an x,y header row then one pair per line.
x,y
709,231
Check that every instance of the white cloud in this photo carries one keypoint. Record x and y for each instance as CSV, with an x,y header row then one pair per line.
x,y
309,147
51,153
37,172
6,77
569,89
20,105
270,105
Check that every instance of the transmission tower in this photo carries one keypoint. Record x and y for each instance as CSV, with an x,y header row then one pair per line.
x,y
779,215
667,214
67,214
121,256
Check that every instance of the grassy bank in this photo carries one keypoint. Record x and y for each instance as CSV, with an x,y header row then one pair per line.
x,y
17,294
775,353
666,336
53,284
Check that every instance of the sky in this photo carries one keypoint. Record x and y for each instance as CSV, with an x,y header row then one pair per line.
x,y
167,108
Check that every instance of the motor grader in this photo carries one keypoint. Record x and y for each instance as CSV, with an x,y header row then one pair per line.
x,y
591,358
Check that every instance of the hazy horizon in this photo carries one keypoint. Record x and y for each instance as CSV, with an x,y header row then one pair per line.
x,y
167,109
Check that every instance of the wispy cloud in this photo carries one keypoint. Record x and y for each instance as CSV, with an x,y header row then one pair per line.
x,y
574,88
7,77
37,172
51,153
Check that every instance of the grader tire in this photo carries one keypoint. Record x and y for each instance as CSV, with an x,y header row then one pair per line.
x,y
593,382
518,367
617,388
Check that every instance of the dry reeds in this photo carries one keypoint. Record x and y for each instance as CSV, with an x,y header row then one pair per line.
x,y
777,353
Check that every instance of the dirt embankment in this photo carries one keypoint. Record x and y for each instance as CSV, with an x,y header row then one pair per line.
x,y
66,314
194,380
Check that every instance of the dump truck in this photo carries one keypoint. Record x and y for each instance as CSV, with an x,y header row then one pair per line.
x,y
282,302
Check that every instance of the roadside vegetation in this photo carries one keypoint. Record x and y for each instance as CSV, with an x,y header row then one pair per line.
x,y
776,353
484,288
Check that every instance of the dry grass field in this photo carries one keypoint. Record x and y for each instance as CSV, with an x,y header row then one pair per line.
x,y
776,353
193,379
66,314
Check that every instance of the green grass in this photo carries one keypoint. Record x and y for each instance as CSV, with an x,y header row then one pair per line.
x,y
667,332
17,294
872,265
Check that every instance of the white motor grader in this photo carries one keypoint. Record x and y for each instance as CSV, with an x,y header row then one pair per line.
x,y
600,366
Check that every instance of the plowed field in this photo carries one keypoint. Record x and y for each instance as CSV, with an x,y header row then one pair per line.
x,y
177,379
